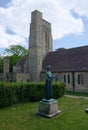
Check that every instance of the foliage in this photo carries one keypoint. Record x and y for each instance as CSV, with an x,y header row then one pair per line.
x,y
1,65
13,59
17,50
24,117
58,89
11,93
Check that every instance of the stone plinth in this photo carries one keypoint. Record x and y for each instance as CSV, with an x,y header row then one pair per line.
x,y
48,108
86,110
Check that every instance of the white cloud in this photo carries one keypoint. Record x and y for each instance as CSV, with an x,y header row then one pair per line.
x,y
80,6
16,17
7,39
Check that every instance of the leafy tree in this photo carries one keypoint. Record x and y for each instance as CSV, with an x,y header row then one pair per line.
x,y
1,64
17,50
13,59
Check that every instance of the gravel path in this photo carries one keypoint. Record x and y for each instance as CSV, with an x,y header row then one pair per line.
x,y
73,96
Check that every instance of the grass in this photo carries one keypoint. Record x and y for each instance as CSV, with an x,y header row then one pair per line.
x,y
24,117
77,93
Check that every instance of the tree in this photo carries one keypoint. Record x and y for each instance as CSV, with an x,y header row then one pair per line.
x,y
16,50
1,64
13,59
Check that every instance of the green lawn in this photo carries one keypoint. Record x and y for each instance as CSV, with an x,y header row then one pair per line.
x,y
84,94
23,116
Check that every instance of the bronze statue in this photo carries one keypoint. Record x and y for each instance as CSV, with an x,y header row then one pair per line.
x,y
48,83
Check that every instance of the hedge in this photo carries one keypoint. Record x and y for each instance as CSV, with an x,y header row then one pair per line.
x,y
11,93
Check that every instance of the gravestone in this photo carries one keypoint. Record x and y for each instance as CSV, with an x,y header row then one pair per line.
x,y
48,106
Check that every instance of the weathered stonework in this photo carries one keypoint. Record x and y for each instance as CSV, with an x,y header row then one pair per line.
x,y
6,65
22,77
40,43
73,84
48,108
30,67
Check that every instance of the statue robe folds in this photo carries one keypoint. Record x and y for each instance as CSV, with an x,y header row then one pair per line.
x,y
48,84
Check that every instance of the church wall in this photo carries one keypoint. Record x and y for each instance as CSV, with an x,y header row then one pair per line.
x,y
35,45
47,37
80,81
16,69
1,76
24,67
6,65
39,44
22,77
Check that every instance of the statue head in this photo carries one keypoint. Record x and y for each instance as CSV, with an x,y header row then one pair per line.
x,y
48,68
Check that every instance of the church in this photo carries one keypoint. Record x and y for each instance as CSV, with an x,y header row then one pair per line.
x,y
69,65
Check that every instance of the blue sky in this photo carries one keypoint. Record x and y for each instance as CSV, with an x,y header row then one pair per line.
x,y
69,20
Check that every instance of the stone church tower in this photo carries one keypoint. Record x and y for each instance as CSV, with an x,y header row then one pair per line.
x,y
40,43
28,68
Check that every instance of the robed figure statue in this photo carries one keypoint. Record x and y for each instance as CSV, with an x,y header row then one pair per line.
x,y
48,83
48,106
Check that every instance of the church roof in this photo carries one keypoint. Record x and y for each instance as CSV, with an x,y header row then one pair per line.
x,y
21,61
73,59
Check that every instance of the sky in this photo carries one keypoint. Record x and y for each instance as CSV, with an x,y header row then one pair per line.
x,y
68,18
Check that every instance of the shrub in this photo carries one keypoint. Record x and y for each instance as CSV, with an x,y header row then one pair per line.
x,y
58,89
11,93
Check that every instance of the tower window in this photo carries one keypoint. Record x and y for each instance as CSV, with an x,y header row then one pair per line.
x,y
47,39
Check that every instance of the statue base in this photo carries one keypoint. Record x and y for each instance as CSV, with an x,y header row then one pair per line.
x,y
86,110
48,108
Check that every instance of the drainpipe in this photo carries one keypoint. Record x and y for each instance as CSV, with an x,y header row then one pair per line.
x,y
73,81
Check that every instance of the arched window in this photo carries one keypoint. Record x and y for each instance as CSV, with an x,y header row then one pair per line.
x,y
65,78
68,79
47,39
79,79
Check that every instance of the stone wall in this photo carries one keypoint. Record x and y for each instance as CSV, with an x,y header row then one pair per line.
x,y
1,76
22,77
40,43
79,83
6,65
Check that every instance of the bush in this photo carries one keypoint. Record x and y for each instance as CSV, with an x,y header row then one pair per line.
x,y
58,89
11,93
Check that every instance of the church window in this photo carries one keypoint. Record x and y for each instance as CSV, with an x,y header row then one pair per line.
x,y
65,78
39,61
47,39
68,79
79,79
